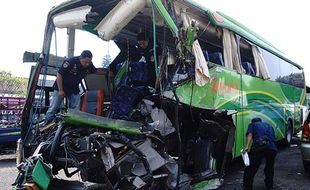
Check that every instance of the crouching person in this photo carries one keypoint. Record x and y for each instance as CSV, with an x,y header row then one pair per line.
x,y
263,146
67,83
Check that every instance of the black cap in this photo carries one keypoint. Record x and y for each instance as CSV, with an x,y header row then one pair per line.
x,y
86,53
142,36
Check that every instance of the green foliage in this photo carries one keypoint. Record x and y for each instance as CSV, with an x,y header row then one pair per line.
x,y
12,85
106,61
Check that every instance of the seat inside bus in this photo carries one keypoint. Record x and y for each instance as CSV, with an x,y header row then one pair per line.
x,y
248,68
98,82
130,90
93,102
216,58
96,94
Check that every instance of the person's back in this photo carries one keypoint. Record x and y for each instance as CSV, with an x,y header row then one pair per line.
x,y
261,129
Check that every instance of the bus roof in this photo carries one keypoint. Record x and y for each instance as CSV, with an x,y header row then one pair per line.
x,y
238,28
224,22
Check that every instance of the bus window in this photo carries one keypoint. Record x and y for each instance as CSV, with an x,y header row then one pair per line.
x,y
103,52
212,45
59,44
246,56
286,72
298,77
272,63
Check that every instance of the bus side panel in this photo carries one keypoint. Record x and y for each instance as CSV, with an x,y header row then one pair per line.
x,y
296,99
222,92
271,101
253,97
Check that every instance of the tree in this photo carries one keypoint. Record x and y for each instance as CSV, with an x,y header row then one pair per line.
x,y
106,61
12,85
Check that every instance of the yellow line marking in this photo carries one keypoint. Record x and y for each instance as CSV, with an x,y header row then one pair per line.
x,y
270,107
303,98
253,92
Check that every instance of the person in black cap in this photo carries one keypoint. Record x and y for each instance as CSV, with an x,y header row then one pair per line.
x,y
69,77
146,50
260,131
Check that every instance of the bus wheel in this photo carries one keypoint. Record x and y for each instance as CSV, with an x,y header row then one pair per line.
x,y
288,134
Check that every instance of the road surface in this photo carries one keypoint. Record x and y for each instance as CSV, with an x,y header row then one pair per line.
x,y
289,172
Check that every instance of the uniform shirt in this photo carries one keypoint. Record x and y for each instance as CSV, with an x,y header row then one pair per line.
x,y
259,129
148,53
72,73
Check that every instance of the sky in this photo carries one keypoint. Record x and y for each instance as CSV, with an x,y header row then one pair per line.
x,y
282,22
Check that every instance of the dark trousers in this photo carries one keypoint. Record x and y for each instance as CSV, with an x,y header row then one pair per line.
x,y
255,161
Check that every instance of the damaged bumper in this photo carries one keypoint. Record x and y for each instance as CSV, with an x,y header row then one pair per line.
x,y
122,154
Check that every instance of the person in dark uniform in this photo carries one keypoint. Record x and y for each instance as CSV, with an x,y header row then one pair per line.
x,y
67,82
146,50
258,129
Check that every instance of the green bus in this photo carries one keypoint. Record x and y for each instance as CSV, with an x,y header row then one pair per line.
x,y
279,97
213,76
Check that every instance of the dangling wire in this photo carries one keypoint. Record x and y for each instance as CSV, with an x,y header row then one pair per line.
x,y
204,30
176,111
154,41
127,43
164,63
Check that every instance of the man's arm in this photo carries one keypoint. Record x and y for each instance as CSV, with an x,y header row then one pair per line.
x,y
248,141
93,70
249,135
59,80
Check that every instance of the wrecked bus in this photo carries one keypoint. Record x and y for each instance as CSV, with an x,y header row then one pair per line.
x,y
213,77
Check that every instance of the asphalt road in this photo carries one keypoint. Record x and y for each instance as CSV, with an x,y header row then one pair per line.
x,y
289,172
8,170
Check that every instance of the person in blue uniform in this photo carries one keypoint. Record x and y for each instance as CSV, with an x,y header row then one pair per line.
x,y
67,82
146,49
258,129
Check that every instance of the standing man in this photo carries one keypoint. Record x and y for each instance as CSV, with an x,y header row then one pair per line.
x,y
259,130
67,82
146,49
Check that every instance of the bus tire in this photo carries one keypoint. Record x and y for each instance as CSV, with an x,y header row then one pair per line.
x,y
288,134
